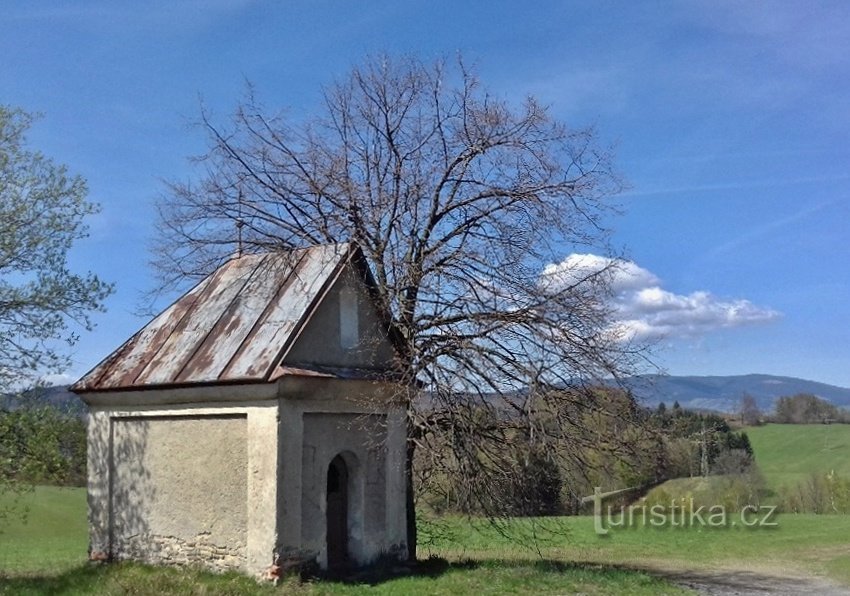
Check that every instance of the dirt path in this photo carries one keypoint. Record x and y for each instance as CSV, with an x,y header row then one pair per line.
x,y
747,583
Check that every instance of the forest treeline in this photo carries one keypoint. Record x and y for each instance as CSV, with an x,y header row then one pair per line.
x,y
805,408
616,444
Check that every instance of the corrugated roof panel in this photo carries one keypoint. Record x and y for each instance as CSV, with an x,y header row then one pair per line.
x,y
177,350
270,337
234,325
246,310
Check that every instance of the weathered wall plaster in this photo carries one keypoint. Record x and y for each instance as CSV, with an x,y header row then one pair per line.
x,y
185,485
235,484
179,488
319,342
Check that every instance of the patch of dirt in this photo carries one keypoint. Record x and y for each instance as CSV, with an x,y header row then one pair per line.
x,y
748,583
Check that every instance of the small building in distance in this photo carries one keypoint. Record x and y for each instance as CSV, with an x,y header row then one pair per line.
x,y
257,420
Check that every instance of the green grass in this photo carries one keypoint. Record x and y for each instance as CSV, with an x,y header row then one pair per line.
x,y
47,553
789,453
800,544
45,556
126,578
488,577
514,576
698,488
52,535
786,454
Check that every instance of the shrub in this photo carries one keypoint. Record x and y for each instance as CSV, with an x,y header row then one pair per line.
x,y
819,493
41,445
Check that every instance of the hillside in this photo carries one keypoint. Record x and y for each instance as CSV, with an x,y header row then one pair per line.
x,y
789,453
723,393
718,393
57,396
52,534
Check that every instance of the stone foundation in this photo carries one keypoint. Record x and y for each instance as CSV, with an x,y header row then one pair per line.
x,y
171,550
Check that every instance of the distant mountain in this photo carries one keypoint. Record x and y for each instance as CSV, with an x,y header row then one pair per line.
x,y
57,396
724,393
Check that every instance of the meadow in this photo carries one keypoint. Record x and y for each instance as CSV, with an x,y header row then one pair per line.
x,y
788,453
46,553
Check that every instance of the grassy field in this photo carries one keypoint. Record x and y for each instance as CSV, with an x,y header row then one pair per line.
x,y
490,577
789,453
786,454
52,536
801,545
47,553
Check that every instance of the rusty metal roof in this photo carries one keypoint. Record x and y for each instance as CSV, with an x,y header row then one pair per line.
x,y
234,326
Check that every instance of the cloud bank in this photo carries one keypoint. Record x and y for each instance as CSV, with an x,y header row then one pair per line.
x,y
644,310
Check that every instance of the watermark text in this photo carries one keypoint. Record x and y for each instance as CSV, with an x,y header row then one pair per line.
x,y
679,513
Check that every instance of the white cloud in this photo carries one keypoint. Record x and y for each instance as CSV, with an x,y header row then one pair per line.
x,y
643,309
579,268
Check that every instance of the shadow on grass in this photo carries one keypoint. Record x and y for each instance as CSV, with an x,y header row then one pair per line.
x,y
73,580
129,578
134,578
387,570
434,567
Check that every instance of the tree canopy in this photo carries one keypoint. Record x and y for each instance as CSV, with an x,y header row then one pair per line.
x,y
42,213
466,206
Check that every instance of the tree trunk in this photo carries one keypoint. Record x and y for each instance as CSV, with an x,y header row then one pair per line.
x,y
411,501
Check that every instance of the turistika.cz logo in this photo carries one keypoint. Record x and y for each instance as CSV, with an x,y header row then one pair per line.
x,y
680,513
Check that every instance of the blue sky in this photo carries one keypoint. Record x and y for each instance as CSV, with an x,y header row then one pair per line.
x,y
730,120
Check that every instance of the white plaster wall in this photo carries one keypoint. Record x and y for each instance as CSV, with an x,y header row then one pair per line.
x,y
319,342
313,432
278,519
185,484
180,488
98,458
362,441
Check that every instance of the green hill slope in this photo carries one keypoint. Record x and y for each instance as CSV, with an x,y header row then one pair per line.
x,y
786,454
789,453
52,537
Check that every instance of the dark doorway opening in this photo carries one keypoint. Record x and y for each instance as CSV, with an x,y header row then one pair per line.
x,y
337,514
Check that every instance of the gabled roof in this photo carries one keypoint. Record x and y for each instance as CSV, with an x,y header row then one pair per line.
x,y
234,326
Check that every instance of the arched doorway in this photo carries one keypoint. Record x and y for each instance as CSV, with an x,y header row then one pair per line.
x,y
337,514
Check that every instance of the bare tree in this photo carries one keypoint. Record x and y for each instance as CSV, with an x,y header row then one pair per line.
x,y
749,410
465,206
